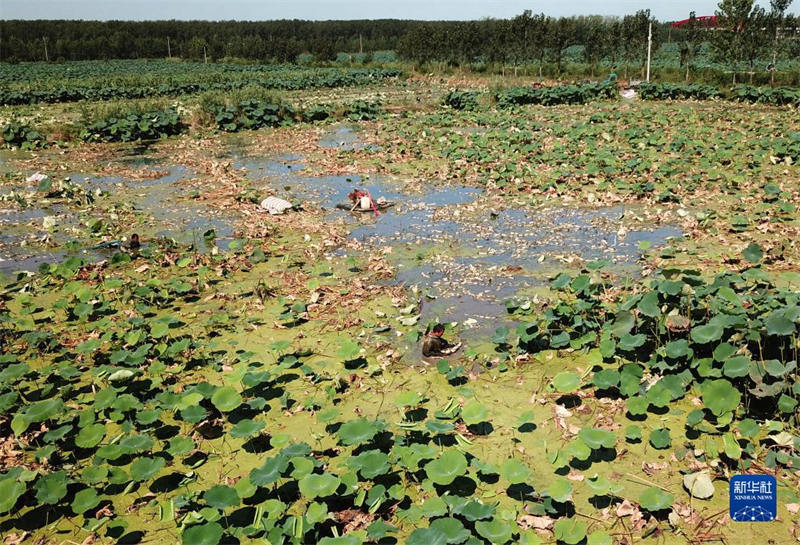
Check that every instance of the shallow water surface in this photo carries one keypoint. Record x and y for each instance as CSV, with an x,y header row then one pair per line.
x,y
466,258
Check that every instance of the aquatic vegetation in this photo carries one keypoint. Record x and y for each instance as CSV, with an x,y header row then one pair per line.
x,y
561,94
461,100
133,127
259,380
17,135
71,82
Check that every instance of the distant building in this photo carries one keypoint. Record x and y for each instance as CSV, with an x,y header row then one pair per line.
x,y
708,21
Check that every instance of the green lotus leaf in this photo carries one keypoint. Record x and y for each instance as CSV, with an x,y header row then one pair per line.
x,y
704,334
648,304
379,530
447,467
37,412
110,452
51,488
633,433
90,436
723,351
658,395
221,497
319,485
566,382
426,536
209,533
143,469
133,444
452,528
474,413
787,404
637,405
84,500
596,438
226,399
605,379
355,432
570,531
434,507
775,368
180,445
578,450
370,463
270,471
655,499
630,342
437,426
302,466
349,350
749,428
408,399
603,487
10,491
246,428
623,323
598,538
753,253
778,324
737,366
660,438
678,349
159,329
474,510
720,396
514,471
560,490
529,537
494,531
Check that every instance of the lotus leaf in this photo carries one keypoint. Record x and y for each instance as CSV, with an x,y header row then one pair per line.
x,y
447,467
596,438
319,485
514,471
143,469
720,396
474,413
655,499
566,382
495,531
226,399
355,432
209,533
221,497
570,531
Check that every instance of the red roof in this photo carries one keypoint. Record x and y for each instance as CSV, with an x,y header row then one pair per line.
x,y
703,20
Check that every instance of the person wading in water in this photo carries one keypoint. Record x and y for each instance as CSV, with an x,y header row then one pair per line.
x,y
435,344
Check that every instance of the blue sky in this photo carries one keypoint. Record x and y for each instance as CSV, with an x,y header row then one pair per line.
x,y
332,9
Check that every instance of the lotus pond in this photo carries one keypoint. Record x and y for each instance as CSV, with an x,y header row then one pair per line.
x,y
625,284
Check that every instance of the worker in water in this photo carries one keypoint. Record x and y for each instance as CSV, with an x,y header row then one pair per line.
x,y
134,243
360,199
434,343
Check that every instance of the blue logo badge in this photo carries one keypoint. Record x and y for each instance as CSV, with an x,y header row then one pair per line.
x,y
754,498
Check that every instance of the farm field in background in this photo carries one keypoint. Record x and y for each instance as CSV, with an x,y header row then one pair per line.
x,y
623,274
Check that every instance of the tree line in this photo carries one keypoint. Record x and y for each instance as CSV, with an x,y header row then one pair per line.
x,y
746,32
267,41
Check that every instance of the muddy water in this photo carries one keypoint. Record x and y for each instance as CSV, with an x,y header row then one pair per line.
x,y
166,205
344,137
463,258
